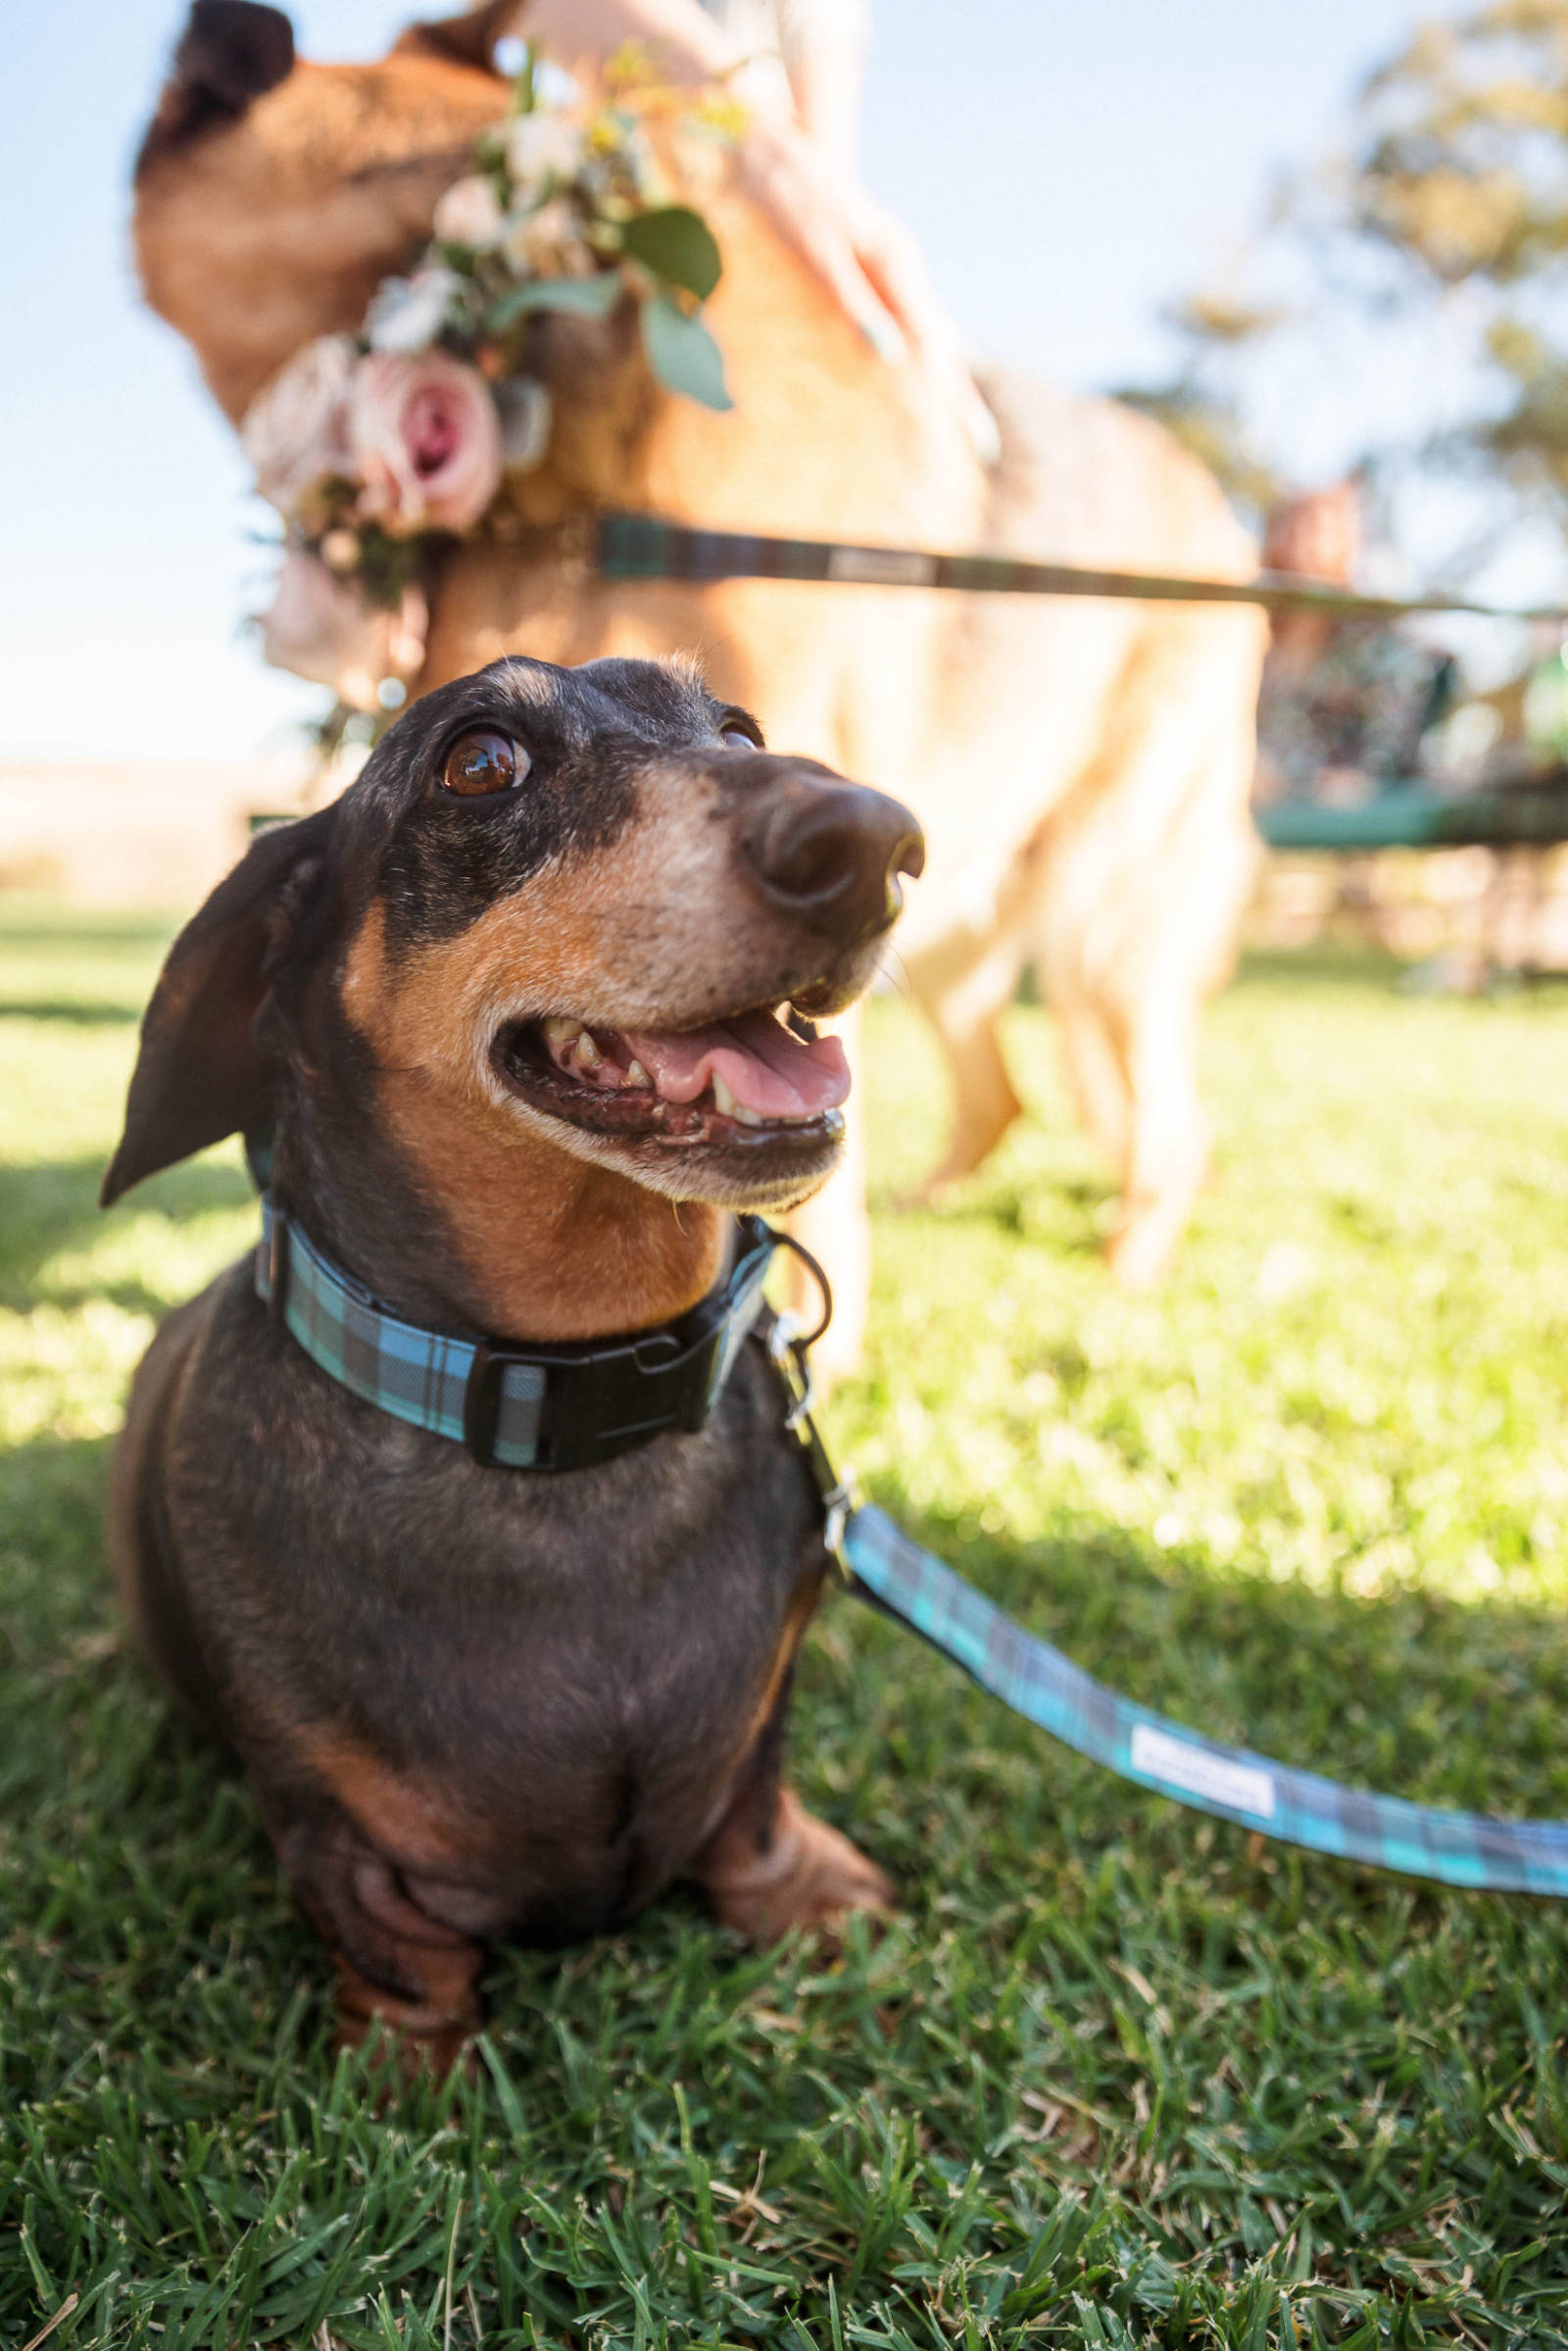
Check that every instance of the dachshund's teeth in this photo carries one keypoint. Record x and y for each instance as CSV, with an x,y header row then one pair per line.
x,y
571,1047
728,1108
636,1075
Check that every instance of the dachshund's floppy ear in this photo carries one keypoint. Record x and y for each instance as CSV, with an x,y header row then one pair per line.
x,y
200,1074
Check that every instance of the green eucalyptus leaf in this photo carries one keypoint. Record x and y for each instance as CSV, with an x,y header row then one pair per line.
x,y
682,354
589,297
678,245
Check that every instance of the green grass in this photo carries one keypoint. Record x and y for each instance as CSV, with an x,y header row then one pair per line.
x,y
1121,2074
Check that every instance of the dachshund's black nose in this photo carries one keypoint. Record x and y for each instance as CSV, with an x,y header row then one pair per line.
x,y
832,853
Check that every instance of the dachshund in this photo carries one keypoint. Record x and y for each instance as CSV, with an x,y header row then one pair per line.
x,y
524,1024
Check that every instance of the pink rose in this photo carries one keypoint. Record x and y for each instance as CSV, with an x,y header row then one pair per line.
x,y
295,430
424,440
318,627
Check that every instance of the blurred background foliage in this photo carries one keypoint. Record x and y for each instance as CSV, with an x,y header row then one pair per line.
x,y
1444,210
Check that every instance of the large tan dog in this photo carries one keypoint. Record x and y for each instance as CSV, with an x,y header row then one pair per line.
x,y
1081,768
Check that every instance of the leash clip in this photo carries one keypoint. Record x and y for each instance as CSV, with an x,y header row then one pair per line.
x,y
838,1508
788,1344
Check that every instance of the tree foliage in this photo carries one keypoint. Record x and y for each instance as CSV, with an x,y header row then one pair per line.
x,y
1458,180
1445,202
1209,424
1458,174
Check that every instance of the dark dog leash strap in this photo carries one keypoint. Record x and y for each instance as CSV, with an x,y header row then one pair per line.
x,y
651,547
514,1407
883,1565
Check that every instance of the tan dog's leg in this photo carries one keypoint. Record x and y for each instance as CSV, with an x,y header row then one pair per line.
x,y
836,1227
1167,1153
1137,923
1200,885
1097,1075
963,1006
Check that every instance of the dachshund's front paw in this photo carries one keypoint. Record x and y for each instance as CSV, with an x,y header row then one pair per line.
x,y
427,2036
805,1876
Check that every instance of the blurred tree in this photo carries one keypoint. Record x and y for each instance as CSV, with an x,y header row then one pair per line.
x,y
1450,197
1204,415
1458,174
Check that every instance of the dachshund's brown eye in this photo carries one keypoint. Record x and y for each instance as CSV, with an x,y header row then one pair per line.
x,y
735,738
479,764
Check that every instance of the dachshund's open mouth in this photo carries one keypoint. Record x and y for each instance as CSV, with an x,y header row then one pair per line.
x,y
761,1081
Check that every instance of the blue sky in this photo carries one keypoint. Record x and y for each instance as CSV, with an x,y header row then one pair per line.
x,y
1070,167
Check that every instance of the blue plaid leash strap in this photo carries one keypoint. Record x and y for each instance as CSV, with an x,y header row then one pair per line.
x,y
911,1584
540,1407
557,1409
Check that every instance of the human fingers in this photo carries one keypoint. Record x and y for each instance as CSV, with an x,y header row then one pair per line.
x,y
813,209
890,257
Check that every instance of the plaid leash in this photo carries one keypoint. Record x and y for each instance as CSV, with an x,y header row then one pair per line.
x,y
568,1408
898,1576
644,547
540,1407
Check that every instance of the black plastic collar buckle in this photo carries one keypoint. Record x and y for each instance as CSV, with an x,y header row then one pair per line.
x,y
599,1405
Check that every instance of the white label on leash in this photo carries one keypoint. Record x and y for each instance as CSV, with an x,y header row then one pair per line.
x,y
1236,1784
881,566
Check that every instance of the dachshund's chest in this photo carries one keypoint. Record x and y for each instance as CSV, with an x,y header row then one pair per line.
x,y
537,1690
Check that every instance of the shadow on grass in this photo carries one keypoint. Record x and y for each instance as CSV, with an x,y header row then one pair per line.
x,y
1446,1702
77,1012
26,922
51,1207
1070,1216
1322,964
80,1715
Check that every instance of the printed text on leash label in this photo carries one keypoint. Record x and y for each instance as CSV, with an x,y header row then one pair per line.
x,y
1238,1785
881,566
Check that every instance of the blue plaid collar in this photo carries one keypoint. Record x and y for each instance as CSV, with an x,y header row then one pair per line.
x,y
516,1408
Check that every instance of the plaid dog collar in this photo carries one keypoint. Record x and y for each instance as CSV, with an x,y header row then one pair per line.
x,y
514,1407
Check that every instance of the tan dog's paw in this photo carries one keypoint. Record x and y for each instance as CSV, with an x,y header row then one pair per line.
x,y
1139,1252
808,1877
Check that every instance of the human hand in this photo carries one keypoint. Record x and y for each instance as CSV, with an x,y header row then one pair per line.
x,y
867,259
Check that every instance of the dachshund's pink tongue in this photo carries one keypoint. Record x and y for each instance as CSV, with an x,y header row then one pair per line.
x,y
766,1067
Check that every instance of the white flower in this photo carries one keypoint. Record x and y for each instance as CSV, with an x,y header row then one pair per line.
x,y
547,243
526,410
409,313
295,430
341,550
541,147
320,629
469,213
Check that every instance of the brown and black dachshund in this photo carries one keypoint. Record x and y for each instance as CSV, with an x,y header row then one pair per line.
x,y
526,1015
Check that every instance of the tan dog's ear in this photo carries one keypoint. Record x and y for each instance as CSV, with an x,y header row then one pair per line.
x,y
230,52
200,1074
466,41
